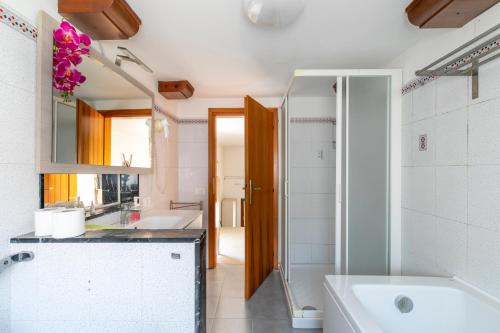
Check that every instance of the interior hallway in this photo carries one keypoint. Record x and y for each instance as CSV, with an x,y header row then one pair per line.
x,y
231,246
227,311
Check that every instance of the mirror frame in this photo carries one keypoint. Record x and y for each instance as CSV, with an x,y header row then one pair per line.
x,y
44,112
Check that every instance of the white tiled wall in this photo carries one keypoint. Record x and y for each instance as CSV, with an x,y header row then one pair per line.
x,y
193,164
19,184
104,288
312,191
451,215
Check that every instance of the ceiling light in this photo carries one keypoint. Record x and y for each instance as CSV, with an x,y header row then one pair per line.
x,y
273,12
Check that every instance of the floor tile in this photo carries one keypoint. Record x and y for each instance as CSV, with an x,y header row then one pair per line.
x,y
232,325
214,289
212,303
232,308
268,308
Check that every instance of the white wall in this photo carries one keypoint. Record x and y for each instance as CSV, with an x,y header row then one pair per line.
x,y
19,190
450,192
193,165
312,182
130,136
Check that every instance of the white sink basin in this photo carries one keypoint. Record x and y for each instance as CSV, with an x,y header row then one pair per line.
x,y
169,219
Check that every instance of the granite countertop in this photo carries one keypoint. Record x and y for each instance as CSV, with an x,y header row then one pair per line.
x,y
122,236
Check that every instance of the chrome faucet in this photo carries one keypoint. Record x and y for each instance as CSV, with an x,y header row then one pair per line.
x,y
126,210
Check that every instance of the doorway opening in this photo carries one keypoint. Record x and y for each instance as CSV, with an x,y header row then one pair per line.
x,y
243,191
230,190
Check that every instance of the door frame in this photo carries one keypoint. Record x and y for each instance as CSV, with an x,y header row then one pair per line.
x,y
213,114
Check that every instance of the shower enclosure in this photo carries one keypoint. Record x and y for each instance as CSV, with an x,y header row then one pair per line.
x,y
340,181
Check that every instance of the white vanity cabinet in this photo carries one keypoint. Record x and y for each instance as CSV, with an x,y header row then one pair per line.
x,y
94,285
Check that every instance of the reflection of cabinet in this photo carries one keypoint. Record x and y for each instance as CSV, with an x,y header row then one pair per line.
x,y
89,134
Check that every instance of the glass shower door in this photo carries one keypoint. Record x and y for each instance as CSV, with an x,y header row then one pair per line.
x,y
363,239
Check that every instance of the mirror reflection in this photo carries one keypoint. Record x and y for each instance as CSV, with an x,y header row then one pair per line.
x,y
88,190
106,121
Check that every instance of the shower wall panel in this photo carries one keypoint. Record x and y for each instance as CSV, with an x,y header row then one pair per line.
x,y
312,180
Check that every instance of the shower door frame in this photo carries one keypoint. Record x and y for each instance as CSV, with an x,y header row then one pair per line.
x,y
342,75
394,212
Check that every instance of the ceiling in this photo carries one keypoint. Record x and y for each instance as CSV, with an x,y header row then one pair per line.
x,y
214,46
230,131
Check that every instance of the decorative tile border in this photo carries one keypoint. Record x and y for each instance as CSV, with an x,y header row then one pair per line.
x,y
417,83
180,121
192,121
16,22
313,120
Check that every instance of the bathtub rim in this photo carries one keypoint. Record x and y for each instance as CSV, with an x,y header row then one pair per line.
x,y
340,288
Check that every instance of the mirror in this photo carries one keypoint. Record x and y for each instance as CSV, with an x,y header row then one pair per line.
x,y
106,121
88,190
101,123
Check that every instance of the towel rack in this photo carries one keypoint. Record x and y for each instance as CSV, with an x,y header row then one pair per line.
x,y
182,205
467,63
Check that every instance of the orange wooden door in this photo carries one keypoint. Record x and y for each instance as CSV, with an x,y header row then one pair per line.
x,y
90,134
259,195
59,188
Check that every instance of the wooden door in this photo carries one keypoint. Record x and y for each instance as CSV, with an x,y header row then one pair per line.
x,y
259,194
59,188
89,134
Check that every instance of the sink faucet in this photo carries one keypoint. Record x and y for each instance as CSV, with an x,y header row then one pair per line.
x,y
126,210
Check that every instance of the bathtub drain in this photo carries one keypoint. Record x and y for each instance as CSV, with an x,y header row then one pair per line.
x,y
403,303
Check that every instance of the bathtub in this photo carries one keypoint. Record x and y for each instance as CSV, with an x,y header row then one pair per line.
x,y
391,304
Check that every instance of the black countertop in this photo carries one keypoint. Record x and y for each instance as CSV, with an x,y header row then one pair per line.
x,y
122,236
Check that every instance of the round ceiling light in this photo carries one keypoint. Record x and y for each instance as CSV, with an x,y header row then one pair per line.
x,y
273,12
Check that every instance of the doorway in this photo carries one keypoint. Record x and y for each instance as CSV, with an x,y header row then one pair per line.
x,y
230,190
248,204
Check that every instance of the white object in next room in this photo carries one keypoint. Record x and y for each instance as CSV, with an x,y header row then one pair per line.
x,y
395,304
43,221
68,223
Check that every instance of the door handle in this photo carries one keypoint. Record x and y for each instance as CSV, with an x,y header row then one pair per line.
x,y
251,188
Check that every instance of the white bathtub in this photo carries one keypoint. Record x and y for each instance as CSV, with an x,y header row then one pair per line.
x,y
169,219
367,304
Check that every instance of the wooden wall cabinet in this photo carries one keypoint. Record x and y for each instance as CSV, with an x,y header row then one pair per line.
x,y
175,89
446,13
101,19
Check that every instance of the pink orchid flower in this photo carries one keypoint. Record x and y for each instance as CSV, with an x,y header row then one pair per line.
x,y
67,55
66,36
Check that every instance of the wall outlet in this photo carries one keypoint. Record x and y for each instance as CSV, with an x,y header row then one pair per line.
x,y
422,142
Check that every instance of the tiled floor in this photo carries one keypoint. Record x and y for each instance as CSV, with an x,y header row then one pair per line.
x,y
227,311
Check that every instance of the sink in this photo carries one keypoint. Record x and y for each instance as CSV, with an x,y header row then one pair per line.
x,y
168,219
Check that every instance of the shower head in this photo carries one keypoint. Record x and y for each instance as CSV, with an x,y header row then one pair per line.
x,y
130,57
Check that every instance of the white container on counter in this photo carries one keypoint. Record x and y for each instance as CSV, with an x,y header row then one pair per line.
x,y
68,223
